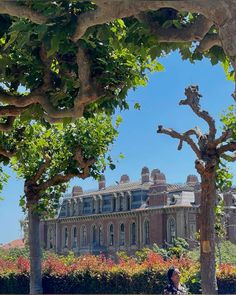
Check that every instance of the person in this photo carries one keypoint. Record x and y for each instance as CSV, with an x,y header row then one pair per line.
x,y
174,286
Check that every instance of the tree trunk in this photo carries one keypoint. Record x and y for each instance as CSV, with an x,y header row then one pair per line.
x,y
35,252
207,234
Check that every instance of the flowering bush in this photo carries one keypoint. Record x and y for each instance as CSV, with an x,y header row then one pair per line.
x,y
99,274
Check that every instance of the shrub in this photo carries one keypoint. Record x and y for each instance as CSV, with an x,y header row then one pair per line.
x,y
100,275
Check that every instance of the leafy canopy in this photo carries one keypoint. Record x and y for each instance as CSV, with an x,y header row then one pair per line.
x,y
55,148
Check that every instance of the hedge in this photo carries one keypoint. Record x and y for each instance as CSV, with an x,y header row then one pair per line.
x,y
149,282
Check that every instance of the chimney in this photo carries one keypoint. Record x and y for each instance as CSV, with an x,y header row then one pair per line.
x,y
159,178
76,191
192,180
158,190
124,178
145,175
102,182
154,171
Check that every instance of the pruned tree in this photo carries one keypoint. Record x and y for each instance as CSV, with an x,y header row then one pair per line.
x,y
47,158
208,149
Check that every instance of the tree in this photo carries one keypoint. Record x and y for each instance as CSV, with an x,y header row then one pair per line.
x,y
78,57
209,150
47,158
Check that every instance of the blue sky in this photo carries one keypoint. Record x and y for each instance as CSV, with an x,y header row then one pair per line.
x,y
138,139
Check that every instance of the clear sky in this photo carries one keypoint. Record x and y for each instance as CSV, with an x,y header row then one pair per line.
x,y
138,139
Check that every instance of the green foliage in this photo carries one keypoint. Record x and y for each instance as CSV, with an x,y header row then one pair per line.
x,y
121,54
3,179
178,249
35,143
142,254
228,253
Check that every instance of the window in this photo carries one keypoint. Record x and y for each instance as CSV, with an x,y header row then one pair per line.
x,y
100,235
106,204
50,238
122,234
94,235
171,230
87,205
146,233
111,235
74,237
84,236
65,237
133,233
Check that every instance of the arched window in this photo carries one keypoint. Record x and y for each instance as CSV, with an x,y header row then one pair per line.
x,y
74,237
146,232
50,238
84,236
94,238
66,237
133,233
111,235
100,235
171,230
122,234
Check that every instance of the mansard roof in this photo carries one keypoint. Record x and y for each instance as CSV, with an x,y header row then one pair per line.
x,y
132,186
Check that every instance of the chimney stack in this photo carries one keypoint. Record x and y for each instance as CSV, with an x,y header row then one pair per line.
x,y
102,182
76,191
192,180
145,175
124,179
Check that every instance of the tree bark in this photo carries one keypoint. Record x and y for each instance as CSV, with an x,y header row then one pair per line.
x,y
35,251
207,234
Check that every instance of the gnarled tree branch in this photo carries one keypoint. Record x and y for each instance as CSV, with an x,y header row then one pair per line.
x,y
193,32
229,147
193,98
182,137
13,9
208,42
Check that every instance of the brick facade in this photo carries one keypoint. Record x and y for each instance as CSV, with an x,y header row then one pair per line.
x,y
129,216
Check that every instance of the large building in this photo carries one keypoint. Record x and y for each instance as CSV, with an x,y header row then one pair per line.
x,y
130,215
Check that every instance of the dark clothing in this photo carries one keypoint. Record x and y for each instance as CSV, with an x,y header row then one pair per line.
x,y
171,289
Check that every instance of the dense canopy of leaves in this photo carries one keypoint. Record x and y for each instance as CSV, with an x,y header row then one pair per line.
x,y
46,158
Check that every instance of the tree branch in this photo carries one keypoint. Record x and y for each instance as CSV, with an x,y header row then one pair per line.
x,y
41,170
13,111
182,137
20,100
193,98
229,147
7,126
7,154
208,42
224,136
13,9
193,32
108,11
229,158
